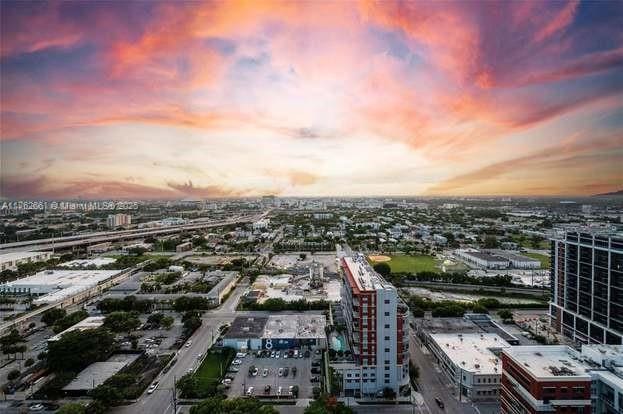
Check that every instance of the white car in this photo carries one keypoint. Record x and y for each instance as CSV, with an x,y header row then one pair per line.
x,y
279,390
250,391
254,372
265,372
280,372
152,388
237,362
188,344
241,354
272,354
36,407
277,354
227,381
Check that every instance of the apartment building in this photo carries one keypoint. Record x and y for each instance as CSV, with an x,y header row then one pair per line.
x,y
587,287
559,379
117,220
378,330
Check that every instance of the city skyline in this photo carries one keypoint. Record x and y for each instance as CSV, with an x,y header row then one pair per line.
x,y
165,100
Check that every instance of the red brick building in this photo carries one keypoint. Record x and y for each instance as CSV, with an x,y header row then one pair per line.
x,y
544,379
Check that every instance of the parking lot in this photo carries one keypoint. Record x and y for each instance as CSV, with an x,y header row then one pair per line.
x,y
268,374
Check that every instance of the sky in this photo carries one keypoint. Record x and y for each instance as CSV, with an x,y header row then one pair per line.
x,y
179,100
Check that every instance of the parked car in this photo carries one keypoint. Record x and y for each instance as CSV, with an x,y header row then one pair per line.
x,y
294,371
265,372
241,354
307,354
272,354
36,407
277,354
227,381
280,372
279,390
286,371
237,362
315,363
315,370
250,391
439,402
314,379
188,344
296,353
267,389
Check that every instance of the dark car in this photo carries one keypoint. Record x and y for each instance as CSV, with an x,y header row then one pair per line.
x,y
315,370
286,370
439,403
294,371
316,364
307,354
314,379
267,389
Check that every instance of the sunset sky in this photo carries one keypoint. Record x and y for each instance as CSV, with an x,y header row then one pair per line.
x,y
171,100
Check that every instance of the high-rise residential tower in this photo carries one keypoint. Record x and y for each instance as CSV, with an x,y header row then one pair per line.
x,y
378,331
587,287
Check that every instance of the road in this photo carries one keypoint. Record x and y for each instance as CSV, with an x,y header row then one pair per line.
x,y
161,401
432,383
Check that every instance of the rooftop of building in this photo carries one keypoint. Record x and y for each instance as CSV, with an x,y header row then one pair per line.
x,y
97,262
448,325
363,275
92,322
247,327
98,372
473,352
550,361
301,326
9,257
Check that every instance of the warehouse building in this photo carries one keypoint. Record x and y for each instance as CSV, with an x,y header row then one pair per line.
x,y
279,331
226,282
10,261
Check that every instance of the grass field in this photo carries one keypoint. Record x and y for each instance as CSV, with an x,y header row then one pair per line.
x,y
210,370
412,264
545,261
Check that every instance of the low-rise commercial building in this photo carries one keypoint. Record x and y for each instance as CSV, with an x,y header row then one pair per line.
x,y
471,362
10,261
225,285
559,379
92,322
496,259
279,331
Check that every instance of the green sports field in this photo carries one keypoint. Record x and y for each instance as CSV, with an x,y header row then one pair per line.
x,y
412,264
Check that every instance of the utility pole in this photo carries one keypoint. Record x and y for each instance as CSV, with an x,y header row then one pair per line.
x,y
174,395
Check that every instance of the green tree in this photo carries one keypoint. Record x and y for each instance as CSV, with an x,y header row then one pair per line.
x,y
107,395
383,269
491,242
219,405
69,320
72,408
77,349
122,321
327,405
505,314
13,375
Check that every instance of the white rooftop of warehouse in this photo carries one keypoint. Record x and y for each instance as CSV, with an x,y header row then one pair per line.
x,y
97,262
549,361
365,277
304,325
9,257
473,351
58,284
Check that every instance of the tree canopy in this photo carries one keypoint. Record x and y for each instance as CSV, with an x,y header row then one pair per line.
x,y
219,405
77,349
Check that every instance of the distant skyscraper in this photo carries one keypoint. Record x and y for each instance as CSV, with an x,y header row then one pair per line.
x,y
378,331
587,287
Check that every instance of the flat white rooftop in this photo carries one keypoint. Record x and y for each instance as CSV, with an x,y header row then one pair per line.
x,y
473,352
365,277
56,285
97,262
550,361
98,372
9,257
298,326
92,322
